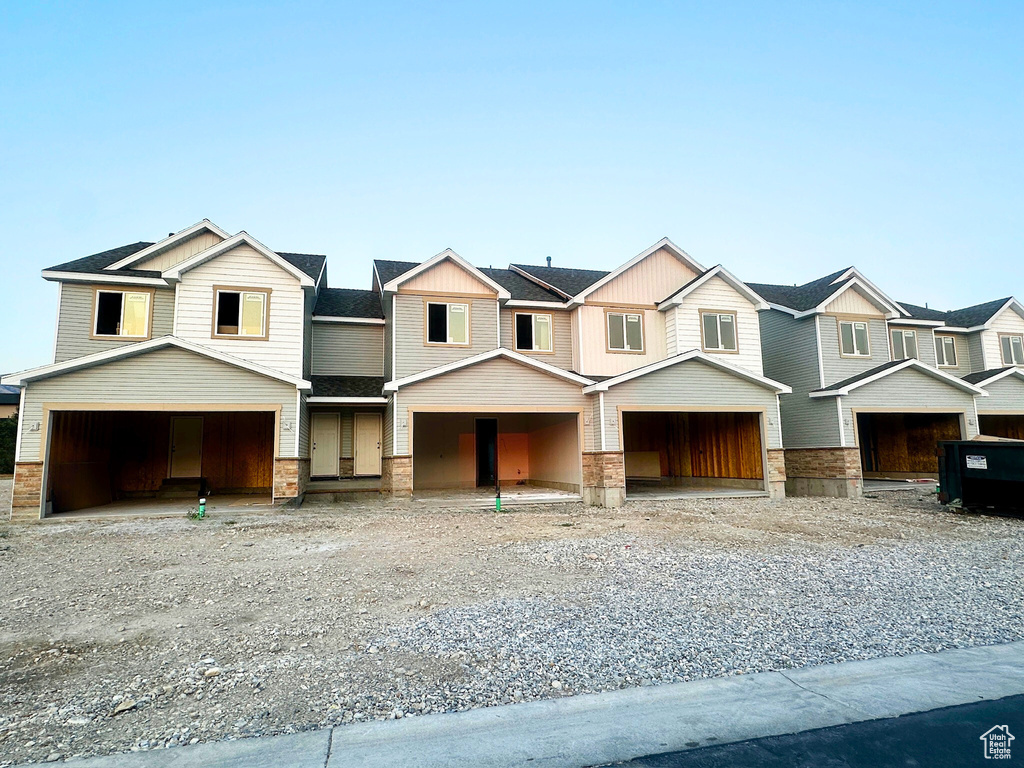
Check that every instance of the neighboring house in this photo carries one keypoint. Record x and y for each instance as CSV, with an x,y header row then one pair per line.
x,y
209,357
9,399
878,383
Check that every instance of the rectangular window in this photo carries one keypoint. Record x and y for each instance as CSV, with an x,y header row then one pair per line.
x,y
904,345
122,313
853,339
719,331
533,333
241,313
625,332
1013,349
945,351
447,323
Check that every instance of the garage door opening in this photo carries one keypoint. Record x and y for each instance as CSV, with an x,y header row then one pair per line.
x,y
101,458
904,445
693,453
1009,425
453,451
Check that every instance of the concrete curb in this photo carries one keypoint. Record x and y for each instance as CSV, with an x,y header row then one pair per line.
x,y
596,729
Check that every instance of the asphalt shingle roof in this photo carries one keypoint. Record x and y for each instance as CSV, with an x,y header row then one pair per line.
x,y
860,376
924,313
569,281
968,317
974,378
799,297
520,287
389,270
347,386
348,302
9,395
310,263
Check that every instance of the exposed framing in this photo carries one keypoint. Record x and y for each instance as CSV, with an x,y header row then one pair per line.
x,y
854,412
735,327
217,289
93,317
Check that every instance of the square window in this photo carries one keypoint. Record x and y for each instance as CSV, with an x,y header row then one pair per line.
x,y
945,351
904,345
532,332
447,323
1013,350
122,313
719,331
853,339
625,332
241,313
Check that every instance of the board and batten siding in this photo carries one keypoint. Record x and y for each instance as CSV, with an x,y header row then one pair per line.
x,y
852,302
925,342
75,321
1006,321
597,360
244,267
414,355
691,385
447,277
180,252
647,282
1004,396
908,390
347,349
482,388
561,332
790,354
838,367
163,378
716,294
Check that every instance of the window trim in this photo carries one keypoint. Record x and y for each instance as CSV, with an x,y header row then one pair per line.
x,y
551,324
735,327
240,289
903,332
608,312
839,337
426,322
940,340
96,290
1001,336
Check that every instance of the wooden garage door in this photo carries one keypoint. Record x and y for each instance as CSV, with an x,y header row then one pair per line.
x,y
713,445
904,442
1005,425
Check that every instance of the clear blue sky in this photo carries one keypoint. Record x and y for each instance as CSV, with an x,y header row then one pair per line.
x,y
782,140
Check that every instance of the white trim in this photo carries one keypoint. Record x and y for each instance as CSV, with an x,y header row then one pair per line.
x,y
912,321
394,339
298,418
21,421
778,414
174,315
532,277
523,303
977,418
856,274
984,357
1010,371
174,272
577,315
693,354
396,384
663,243
169,242
394,428
842,427
450,255
894,309
600,401
348,320
718,271
323,268
497,326
99,277
141,347
908,363
817,341
346,401
780,308
56,327
1008,305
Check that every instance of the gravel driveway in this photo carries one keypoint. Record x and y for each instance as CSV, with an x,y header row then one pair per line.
x,y
138,634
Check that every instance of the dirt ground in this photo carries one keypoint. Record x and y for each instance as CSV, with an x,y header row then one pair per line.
x,y
152,633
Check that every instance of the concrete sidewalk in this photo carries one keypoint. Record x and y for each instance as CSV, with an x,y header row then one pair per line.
x,y
622,725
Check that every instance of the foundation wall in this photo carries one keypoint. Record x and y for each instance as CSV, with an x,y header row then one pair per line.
x,y
604,479
396,475
823,472
291,476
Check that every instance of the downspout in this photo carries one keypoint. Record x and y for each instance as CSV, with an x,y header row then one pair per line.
x,y
600,402
817,341
842,428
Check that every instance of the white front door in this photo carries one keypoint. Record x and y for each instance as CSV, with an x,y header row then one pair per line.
x,y
326,445
186,446
367,444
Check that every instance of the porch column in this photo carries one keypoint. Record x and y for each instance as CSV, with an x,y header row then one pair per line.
x,y
28,491
396,475
604,478
824,472
775,478
291,475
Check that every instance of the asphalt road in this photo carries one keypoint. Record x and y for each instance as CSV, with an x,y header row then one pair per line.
x,y
941,738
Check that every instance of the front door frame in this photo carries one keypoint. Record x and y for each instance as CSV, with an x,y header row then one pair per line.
x,y
171,449
378,417
476,450
313,419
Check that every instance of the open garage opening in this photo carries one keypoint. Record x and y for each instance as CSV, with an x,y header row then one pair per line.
x,y
1009,425
137,460
693,453
904,446
522,451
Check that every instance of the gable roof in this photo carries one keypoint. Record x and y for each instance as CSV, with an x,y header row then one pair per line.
x,y
388,270
811,298
664,243
968,317
446,255
519,287
348,302
508,354
170,241
568,282
694,354
310,263
242,238
845,386
924,313
984,378
723,274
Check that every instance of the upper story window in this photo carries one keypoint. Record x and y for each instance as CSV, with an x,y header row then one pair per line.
x,y
533,332
719,331
447,323
853,339
122,313
625,331
241,312
945,351
904,345
1012,347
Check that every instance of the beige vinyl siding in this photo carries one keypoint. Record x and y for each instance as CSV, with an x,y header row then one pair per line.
x,y
976,354
592,424
245,267
716,294
75,319
447,277
647,282
691,385
347,349
163,378
1004,396
925,342
180,252
595,358
1006,321
561,334
838,367
910,390
790,356
963,355
485,386
852,302
414,355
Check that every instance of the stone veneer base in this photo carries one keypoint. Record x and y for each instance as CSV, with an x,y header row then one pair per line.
x,y
832,472
27,493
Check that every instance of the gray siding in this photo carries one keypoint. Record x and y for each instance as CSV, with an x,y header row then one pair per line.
x,y
975,354
304,428
162,378
693,385
790,355
346,349
837,367
963,356
415,356
389,427
74,322
561,322
925,343
1004,396
307,333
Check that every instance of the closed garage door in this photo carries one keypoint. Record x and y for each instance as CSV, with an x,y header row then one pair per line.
x,y
904,444
1009,425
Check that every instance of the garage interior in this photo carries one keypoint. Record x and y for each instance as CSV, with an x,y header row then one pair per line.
x,y
461,451
1009,425
97,458
904,445
692,451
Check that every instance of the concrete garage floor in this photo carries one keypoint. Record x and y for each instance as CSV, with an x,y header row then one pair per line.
x,y
483,498
899,485
168,507
641,490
